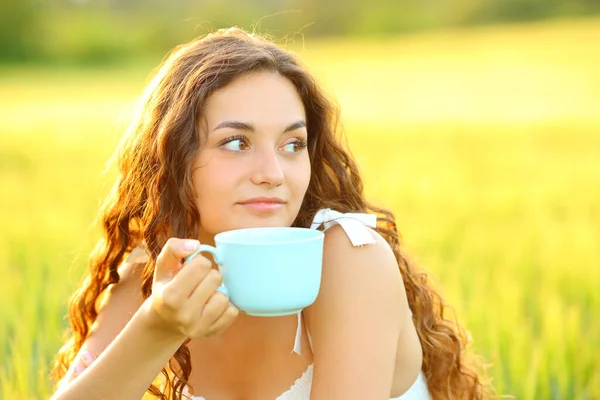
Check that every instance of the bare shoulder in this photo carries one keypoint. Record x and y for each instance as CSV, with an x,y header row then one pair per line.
x,y
351,275
126,295
376,262
357,319
130,273
115,307
119,302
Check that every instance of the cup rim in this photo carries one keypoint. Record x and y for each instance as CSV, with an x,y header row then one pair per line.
x,y
222,237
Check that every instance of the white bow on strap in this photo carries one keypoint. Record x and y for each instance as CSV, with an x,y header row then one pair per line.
x,y
352,223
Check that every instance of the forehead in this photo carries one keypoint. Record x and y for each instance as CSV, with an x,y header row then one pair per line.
x,y
257,98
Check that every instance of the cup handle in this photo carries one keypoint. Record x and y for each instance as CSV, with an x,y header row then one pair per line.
x,y
217,257
223,290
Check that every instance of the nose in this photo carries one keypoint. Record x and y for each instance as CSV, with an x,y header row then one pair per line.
x,y
267,169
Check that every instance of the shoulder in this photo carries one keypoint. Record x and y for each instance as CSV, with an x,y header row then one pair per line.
x,y
364,277
119,301
357,318
373,263
337,241
130,281
114,306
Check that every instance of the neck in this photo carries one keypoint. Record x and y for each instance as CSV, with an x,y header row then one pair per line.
x,y
206,238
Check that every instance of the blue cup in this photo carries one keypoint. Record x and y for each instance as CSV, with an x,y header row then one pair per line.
x,y
269,271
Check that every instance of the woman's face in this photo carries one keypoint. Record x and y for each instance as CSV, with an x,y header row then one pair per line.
x,y
252,169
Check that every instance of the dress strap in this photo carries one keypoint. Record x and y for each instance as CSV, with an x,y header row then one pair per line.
x,y
298,340
355,225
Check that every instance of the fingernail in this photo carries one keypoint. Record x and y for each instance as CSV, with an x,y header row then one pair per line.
x,y
190,245
78,369
88,357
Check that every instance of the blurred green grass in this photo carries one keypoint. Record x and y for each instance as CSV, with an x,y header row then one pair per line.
x,y
484,142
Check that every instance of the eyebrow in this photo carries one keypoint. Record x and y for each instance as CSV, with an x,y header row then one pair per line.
x,y
242,126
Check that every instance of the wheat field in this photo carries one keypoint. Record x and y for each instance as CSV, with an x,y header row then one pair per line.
x,y
485,143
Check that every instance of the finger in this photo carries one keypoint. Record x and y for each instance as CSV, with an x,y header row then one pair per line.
x,y
190,276
206,288
213,309
177,292
168,261
225,320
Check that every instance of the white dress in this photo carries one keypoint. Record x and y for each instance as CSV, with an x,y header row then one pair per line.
x,y
300,390
354,225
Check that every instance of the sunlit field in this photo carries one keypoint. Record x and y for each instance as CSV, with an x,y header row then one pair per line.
x,y
484,142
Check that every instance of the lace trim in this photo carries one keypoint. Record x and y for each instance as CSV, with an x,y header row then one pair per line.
x,y
300,390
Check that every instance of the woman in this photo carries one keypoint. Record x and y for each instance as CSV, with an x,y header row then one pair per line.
x,y
234,133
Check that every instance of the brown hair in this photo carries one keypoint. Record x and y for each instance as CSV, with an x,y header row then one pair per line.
x,y
153,199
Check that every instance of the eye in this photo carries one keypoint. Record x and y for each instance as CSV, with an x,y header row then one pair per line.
x,y
235,143
295,147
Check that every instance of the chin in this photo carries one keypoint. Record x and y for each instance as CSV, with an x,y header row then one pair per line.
x,y
263,222
266,223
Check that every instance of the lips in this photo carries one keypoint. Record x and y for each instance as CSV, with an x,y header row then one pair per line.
x,y
263,204
255,200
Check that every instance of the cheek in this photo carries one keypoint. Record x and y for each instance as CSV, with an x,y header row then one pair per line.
x,y
213,185
300,178
215,190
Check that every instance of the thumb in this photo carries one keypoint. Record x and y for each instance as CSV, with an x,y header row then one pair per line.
x,y
168,261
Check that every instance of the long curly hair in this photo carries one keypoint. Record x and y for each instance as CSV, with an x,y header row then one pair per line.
x,y
153,199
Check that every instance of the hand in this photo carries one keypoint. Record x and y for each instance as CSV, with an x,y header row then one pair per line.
x,y
184,297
